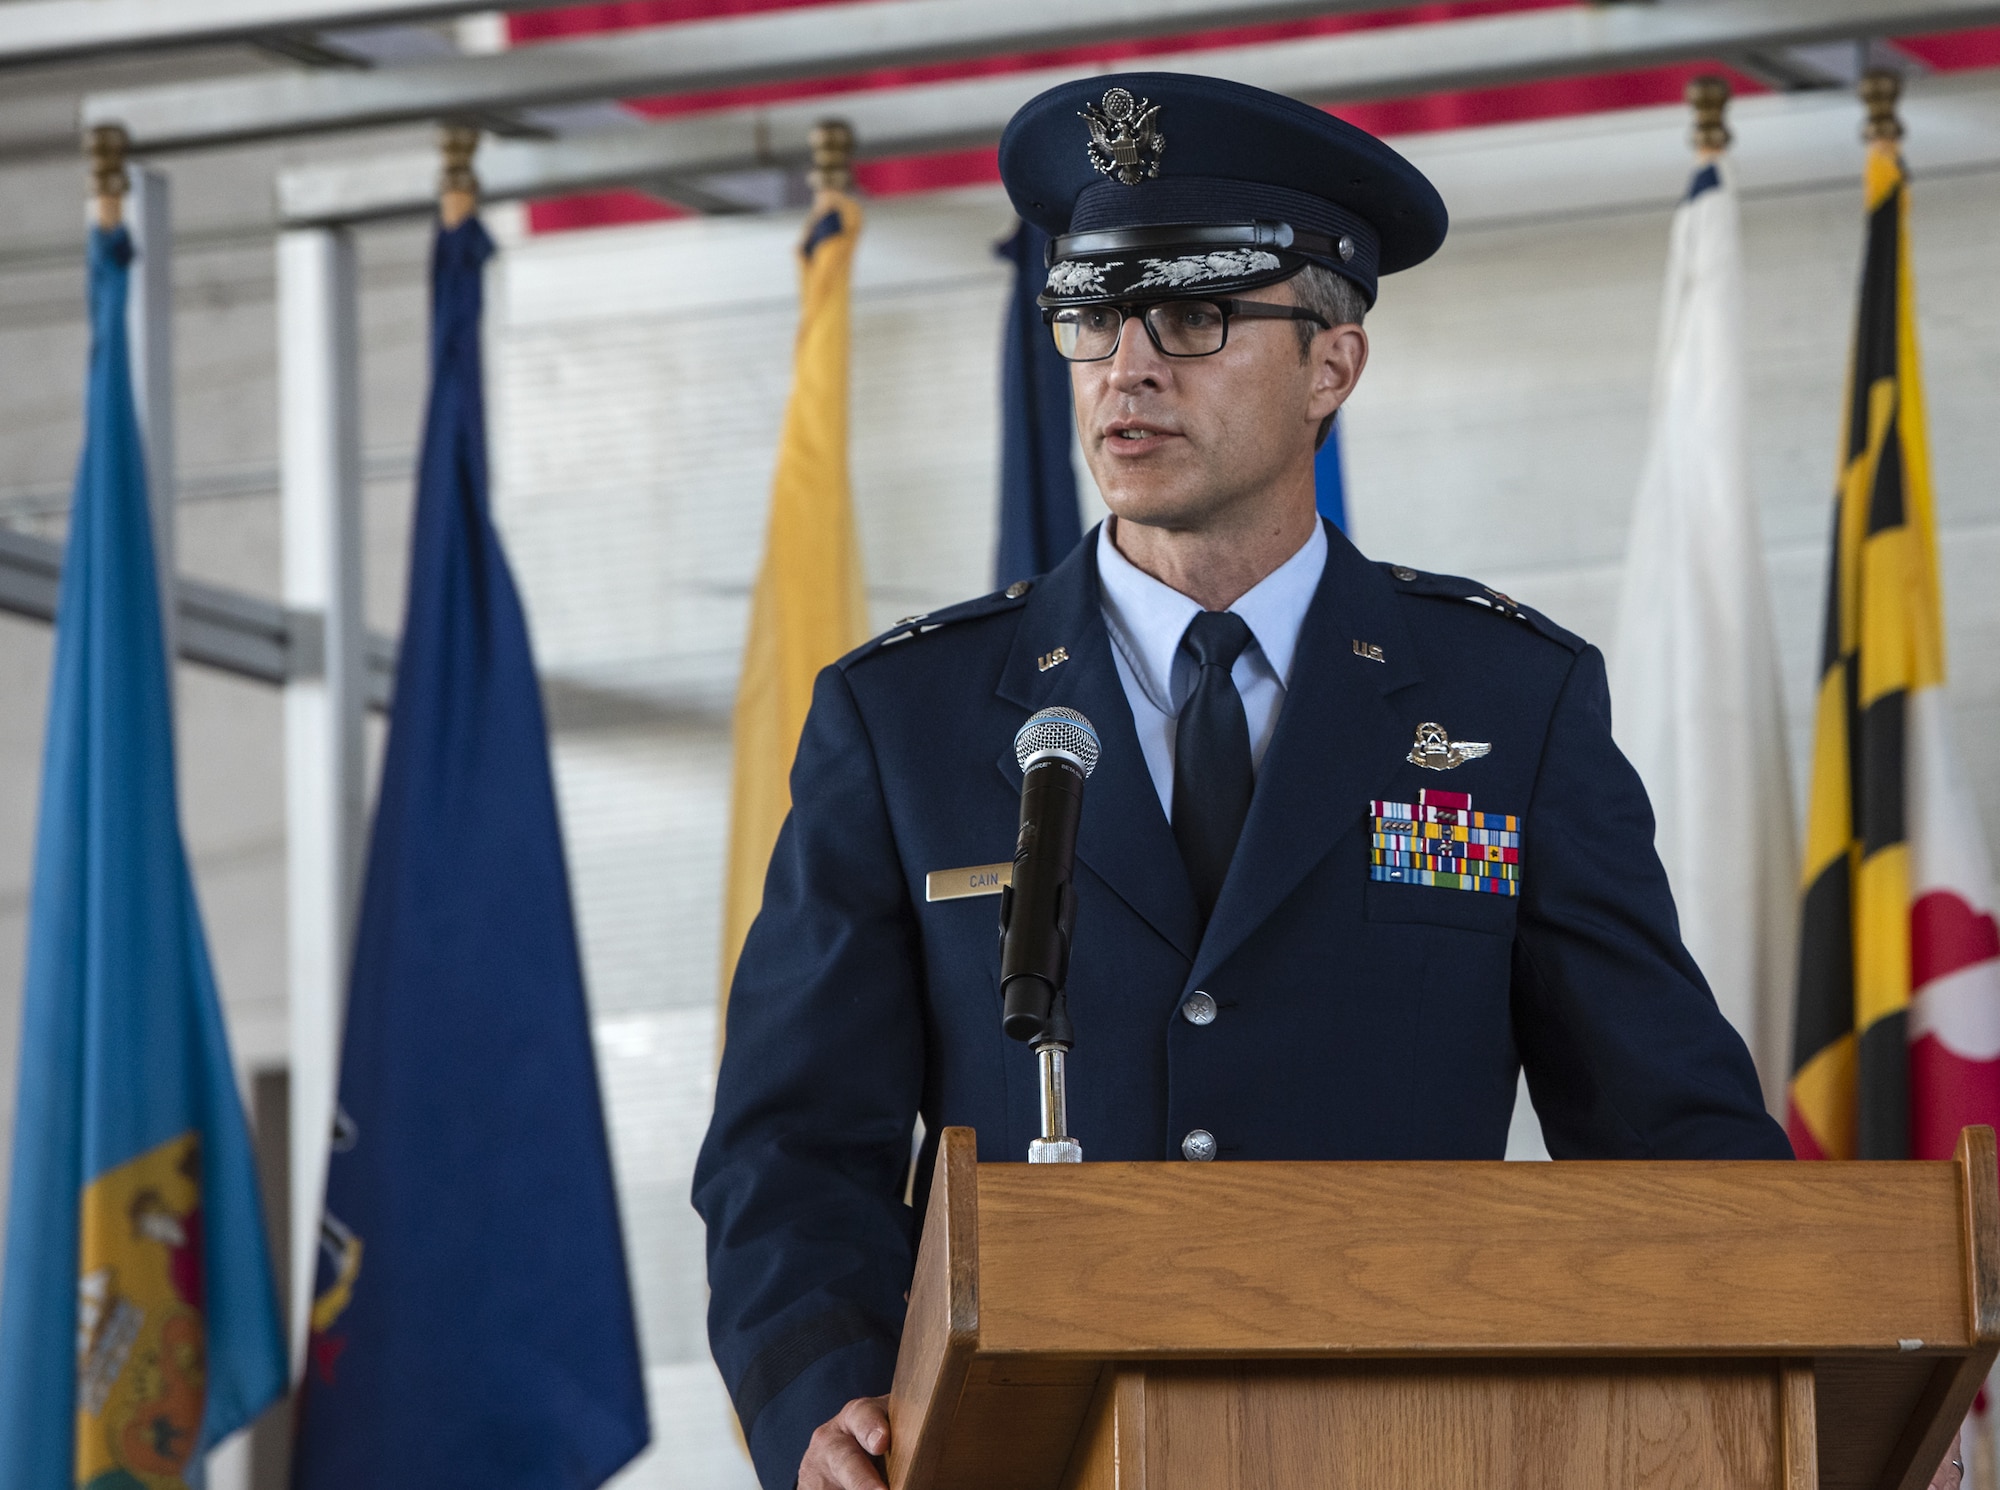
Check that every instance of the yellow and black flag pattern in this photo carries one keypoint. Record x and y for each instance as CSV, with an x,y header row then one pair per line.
x,y
1850,1085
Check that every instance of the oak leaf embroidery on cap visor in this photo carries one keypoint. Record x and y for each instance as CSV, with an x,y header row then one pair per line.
x,y
1078,277
1194,269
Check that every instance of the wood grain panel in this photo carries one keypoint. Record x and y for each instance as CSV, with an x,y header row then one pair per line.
x,y
1017,1422
1934,1422
1569,1426
1798,1427
1863,1403
1215,1260
942,1325
1093,1464
1979,1196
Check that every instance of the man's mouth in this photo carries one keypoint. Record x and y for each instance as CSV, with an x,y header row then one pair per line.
x,y
1135,437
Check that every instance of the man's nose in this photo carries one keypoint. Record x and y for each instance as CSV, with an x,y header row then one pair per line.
x,y
1137,362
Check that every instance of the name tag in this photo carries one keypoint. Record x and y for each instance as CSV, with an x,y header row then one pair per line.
x,y
979,879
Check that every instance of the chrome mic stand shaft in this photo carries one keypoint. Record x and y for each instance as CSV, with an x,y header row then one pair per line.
x,y
1055,1146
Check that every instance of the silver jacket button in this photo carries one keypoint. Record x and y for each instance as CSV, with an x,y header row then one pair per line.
x,y
1198,1146
1199,1008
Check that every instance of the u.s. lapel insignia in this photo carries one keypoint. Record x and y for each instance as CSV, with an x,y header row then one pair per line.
x,y
1369,650
1125,141
1437,751
1051,659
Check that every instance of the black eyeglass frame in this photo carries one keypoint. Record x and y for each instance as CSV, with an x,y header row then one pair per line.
x,y
1140,310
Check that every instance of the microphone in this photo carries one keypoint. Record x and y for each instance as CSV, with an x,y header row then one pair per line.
x,y
1057,750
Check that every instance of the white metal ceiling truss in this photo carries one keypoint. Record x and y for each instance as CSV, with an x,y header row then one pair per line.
x,y
833,40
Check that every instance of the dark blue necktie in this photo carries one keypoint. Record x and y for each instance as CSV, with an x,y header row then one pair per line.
x,y
1212,776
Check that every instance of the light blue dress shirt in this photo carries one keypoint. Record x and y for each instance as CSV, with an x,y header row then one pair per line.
x,y
1147,620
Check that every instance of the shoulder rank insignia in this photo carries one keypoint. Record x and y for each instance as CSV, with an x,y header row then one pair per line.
x,y
1437,751
1125,144
1439,840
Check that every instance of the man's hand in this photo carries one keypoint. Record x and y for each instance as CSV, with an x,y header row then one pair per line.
x,y
838,1458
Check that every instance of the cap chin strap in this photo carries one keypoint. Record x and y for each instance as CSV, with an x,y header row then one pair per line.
x,y
1281,235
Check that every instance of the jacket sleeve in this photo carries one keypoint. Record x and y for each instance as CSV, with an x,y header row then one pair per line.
x,y
1627,1056
800,1179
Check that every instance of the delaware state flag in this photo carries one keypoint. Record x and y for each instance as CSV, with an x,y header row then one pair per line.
x,y
138,1323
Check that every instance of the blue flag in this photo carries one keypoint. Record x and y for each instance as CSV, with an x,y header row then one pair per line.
x,y
473,1321
1040,520
1330,481
139,1320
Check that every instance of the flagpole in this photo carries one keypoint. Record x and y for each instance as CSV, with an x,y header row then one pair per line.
x,y
109,183
1880,91
832,143
319,461
458,187
1709,98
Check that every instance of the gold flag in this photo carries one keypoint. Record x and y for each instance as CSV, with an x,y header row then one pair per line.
x,y
810,604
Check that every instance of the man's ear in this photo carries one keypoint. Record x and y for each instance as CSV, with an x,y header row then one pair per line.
x,y
1338,358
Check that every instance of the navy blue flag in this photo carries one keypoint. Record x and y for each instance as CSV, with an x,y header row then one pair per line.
x,y
1330,481
1040,521
473,1320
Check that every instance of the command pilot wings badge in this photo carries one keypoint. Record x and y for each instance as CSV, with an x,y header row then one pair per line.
x,y
1437,751
1125,143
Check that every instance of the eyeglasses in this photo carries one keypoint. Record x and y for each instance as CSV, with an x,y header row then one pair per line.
x,y
1179,328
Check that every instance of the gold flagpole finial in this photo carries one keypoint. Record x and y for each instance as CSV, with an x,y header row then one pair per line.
x,y
458,188
108,181
1709,97
1879,90
832,156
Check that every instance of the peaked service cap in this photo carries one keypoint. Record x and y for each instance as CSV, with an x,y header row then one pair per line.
x,y
1157,183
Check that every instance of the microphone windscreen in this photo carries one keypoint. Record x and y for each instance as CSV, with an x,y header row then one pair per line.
x,y
1058,731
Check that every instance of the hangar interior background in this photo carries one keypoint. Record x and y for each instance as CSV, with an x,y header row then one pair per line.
x,y
637,374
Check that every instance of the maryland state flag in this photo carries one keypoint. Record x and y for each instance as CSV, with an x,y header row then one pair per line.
x,y
1897,1039
139,1321
810,605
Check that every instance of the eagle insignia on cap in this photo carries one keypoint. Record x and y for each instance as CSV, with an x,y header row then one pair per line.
x,y
1125,143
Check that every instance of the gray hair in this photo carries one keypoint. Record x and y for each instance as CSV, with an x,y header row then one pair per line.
x,y
1334,296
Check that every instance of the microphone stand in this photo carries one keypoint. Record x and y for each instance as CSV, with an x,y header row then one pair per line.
x,y
1057,750
1055,1146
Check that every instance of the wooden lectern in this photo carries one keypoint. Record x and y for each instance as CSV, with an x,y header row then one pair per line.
x,y
1378,1326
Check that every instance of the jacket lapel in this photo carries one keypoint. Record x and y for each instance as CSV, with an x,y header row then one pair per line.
x,y
1123,835
1337,745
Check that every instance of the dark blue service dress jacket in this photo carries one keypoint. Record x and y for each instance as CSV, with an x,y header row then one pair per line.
x,y
1358,1018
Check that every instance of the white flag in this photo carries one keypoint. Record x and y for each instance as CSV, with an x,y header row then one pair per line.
x,y
1694,666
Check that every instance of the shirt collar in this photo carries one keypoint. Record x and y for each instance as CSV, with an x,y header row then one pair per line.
x,y
1147,618
1277,604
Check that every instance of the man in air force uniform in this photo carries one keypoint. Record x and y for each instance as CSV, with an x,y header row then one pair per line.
x,y
1358,848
